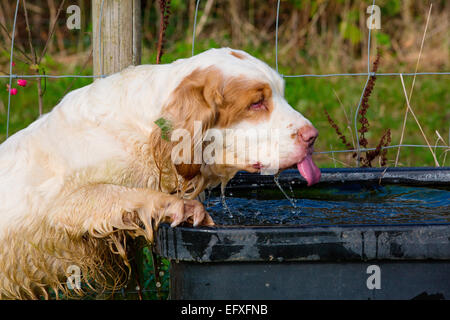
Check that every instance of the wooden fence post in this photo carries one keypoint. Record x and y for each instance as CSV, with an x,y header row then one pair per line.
x,y
118,44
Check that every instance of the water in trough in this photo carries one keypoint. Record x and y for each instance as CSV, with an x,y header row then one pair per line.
x,y
350,203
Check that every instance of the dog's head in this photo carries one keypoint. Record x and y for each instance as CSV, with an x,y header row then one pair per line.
x,y
229,113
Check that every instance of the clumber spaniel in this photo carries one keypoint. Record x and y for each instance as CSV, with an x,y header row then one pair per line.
x,y
101,167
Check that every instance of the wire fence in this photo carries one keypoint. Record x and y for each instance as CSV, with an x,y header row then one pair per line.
x,y
368,74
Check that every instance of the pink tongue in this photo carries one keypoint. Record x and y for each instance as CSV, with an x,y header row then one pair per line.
x,y
309,170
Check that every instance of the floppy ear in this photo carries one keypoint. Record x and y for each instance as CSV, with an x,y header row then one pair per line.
x,y
197,98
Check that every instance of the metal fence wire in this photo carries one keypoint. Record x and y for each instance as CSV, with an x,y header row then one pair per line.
x,y
368,74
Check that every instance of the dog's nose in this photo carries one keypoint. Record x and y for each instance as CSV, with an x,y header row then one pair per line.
x,y
307,134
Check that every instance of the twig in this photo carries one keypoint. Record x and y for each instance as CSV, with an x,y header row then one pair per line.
x,y
15,48
30,38
16,56
204,17
332,155
336,160
417,121
445,144
338,131
349,122
380,150
69,87
412,86
52,31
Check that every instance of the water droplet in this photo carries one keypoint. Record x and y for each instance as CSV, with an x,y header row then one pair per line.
x,y
277,182
224,203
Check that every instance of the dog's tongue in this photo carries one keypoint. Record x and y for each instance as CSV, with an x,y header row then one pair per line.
x,y
309,170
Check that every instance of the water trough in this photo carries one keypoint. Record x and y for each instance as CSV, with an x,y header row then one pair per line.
x,y
358,234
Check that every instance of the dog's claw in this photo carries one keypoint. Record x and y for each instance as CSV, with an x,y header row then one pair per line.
x,y
190,211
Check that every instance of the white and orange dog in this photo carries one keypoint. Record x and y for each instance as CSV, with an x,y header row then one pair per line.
x,y
76,183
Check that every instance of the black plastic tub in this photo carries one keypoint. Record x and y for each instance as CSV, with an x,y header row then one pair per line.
x,y
391,240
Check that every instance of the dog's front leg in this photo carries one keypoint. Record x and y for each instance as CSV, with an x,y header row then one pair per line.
x,y
102,209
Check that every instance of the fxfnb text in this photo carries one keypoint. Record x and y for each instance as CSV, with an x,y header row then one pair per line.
x,y
245,309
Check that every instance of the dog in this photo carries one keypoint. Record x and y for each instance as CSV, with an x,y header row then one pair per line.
x,y
100,169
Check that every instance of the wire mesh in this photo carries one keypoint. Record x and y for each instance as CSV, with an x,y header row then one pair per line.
x,y
369,74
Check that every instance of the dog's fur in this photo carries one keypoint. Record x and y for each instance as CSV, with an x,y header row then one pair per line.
x,y
79,181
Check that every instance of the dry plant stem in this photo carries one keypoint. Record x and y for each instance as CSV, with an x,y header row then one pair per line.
x,y
15,47
417,121
40,96
444,155
336,129
412,86
52,31
365,104
349,122
362,111
338,161
69,87
57,31
380,151
16,57
332,155
33,52
204,17
164,6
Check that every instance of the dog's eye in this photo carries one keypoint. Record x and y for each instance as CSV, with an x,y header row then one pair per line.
x,y
258,106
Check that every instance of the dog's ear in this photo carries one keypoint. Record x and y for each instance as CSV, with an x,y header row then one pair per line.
x,y
194,108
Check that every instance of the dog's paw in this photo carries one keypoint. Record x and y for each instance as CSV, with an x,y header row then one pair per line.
x,y
190,211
